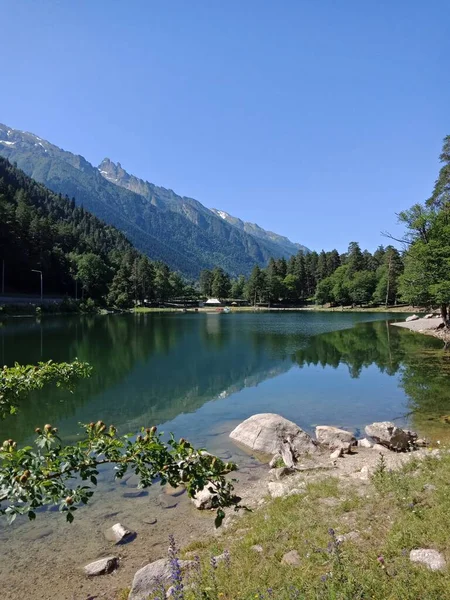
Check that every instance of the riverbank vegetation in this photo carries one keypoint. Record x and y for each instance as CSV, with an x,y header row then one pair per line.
x,y
339,540
426,280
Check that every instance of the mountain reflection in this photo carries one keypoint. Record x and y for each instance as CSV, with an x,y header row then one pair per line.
x,y
150,368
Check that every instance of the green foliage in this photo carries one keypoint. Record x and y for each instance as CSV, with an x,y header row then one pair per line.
x,y
53,473
426,279
65,475
221,284
18,381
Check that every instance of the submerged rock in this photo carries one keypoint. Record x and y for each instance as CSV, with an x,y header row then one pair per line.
x,y
101,566
206,499
119,534
428,557
272,434
389,435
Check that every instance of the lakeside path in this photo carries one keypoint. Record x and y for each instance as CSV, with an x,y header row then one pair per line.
x,y
428,327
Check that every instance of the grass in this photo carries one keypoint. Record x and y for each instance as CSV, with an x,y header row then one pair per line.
x,y
394,514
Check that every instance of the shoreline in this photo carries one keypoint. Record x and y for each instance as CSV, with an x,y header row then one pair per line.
x,y
426,327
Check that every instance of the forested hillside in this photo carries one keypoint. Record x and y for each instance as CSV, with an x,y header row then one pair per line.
x,y
163,225
78,254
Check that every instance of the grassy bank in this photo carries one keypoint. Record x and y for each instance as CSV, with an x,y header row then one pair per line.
x,y
313,308
387,517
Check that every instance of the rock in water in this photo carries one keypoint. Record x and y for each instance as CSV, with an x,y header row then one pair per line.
x,y
205,499
431,558
412,318
267,432
119,534
147,579
334,437
389,435
102,566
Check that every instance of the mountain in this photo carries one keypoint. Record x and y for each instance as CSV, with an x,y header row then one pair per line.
x,y
42,230
283,242
177,230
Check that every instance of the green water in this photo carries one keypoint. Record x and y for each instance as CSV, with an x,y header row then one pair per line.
x,y
198,375
193,372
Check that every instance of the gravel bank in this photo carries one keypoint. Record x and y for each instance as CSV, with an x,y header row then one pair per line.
x,y
428,327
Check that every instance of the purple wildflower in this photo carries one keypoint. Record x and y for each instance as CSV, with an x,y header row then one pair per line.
x,y
176,575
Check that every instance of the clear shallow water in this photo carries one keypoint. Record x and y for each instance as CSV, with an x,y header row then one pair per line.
x,y
198,375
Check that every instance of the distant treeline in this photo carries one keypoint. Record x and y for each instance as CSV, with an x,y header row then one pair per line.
x,y
357,277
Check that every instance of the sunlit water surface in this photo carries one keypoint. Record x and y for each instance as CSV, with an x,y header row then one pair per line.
x,y
198,375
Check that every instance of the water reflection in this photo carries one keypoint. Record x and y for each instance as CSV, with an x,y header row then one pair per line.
x,y
149,369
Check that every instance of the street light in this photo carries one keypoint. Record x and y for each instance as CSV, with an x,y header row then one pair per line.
x,y
42,282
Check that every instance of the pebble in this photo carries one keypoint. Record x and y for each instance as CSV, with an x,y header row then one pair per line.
x,y
291,558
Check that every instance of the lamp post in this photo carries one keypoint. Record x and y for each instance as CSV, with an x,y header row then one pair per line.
x,y
42,282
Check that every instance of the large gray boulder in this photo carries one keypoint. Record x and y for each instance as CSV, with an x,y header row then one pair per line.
x,y
389,435
272,434
147,579
334,437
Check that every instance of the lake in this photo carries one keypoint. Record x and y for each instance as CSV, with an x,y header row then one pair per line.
x,y
198,376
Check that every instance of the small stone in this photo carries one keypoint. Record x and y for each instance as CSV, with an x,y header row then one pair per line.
x,y
422,443
102,566
119,534
337,454
276,489
166,501
136,494
429,487
431,558
132,481
291,558
364,473
220,557
257,548
174,492
205,499
151,521
365,443
350,536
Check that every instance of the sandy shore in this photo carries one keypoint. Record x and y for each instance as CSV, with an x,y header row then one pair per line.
x,y
426,326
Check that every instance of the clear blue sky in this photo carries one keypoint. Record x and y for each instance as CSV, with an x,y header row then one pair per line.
x,y
318,119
